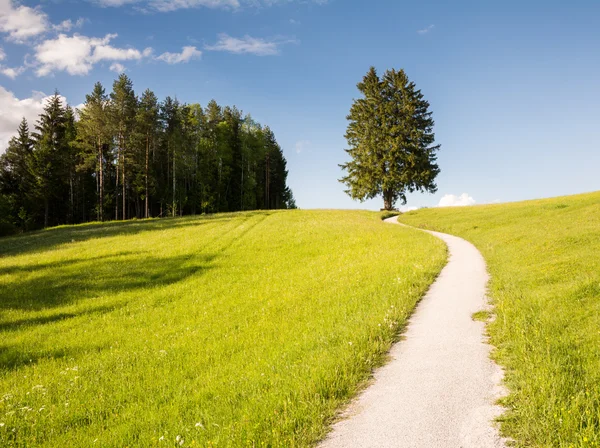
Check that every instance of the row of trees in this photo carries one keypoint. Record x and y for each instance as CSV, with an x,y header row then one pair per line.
x,y
123,156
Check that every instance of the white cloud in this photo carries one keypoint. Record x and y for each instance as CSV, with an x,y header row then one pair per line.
x,y
108,53
247,45
68,25
117,67
77,54
406,208
11,72
451,200
302,146
12,111
426,29
172,5
187,54
21,22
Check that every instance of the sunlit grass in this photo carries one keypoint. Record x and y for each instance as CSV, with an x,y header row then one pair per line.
x,y
234,330
544,260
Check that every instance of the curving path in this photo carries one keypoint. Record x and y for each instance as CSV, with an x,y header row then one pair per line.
x,y
440,386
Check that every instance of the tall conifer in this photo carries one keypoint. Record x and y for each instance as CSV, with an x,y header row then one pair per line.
x,y
391,140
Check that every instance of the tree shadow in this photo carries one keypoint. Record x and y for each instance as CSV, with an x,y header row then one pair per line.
x,y
13,357
29,268
22,324
71,281
48,239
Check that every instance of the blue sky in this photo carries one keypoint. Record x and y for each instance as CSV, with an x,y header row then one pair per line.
x,y
514,86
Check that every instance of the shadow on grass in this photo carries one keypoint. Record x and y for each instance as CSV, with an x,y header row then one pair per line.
x,y
31,268
19,324
71,281
13,357
48,239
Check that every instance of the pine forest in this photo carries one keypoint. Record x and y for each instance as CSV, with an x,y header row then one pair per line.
x,y
122,156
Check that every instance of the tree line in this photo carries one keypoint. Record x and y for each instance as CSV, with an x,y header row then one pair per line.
x,y
122,156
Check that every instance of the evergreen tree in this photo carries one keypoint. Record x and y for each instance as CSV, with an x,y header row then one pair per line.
x,y
48,167
391,140
94,137
123,105
162,158
148,126
170,117
70,161
16,181
233,193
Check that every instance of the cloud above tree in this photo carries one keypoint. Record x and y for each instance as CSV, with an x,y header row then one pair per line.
x,y
451,200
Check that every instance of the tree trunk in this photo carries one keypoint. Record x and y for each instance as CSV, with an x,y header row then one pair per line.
x,y
98,193
242,185
46,211
72,206
117,184
101,210
388,200
124,186
267,182
174,184
146,180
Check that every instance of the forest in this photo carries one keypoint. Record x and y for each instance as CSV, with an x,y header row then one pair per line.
x,y
121,157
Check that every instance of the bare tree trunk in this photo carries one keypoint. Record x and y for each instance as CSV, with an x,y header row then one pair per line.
x,y
242,185
117,184
124,186
98,192
46,211
101,210
72,206
83,202
267,182
146,180
174,183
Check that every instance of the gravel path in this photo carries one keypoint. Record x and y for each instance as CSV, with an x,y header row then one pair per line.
x,y
439,388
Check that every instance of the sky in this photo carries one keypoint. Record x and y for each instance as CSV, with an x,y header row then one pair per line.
x,y
514,86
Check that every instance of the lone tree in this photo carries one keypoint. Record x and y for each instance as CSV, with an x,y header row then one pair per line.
x,y
391,140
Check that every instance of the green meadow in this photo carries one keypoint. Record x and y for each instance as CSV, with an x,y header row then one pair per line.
x,y
544,261
247,329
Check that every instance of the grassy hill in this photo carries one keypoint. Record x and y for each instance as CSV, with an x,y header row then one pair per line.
x,y
245,329
544,259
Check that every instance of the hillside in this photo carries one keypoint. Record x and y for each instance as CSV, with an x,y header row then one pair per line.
x,y
224,330
543,259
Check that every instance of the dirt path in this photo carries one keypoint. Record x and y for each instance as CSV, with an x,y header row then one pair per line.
x,y
439,388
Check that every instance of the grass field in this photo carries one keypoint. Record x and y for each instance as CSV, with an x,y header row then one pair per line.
x,y
544,259
232,330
